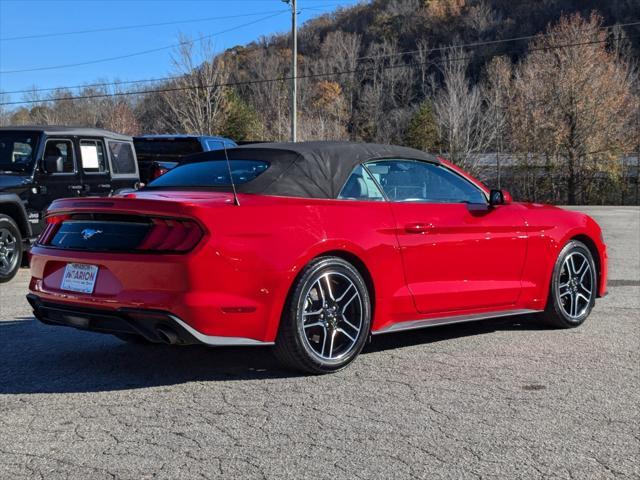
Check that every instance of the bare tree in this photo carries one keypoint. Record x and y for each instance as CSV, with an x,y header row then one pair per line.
x,y
198,95
119,117
422,58
466,128
339,53
386,97
497,93
575,104
269,98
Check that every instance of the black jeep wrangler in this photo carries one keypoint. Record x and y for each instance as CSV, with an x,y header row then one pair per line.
x,y
40,164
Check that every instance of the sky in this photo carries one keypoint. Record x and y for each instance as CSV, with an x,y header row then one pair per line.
x,y
245,21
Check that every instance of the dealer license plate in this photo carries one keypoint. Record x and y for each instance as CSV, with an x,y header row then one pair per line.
x,y
79,278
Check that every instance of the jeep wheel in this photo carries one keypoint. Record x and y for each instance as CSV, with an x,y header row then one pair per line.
x,y
10,248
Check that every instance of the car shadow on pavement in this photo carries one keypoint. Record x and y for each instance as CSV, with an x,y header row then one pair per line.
x,y
446,332
36,358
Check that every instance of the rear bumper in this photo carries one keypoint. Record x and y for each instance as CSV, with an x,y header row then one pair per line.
x,y
155,325
211,294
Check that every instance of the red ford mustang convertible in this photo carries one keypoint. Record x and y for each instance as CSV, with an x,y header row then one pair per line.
x,y
313,247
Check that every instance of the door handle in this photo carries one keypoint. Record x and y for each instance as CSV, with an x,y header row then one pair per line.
x,y
418,227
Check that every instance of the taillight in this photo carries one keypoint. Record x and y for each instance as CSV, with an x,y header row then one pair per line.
x,y
158,171
53,224
168,235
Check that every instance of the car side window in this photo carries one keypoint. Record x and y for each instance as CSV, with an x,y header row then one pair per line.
x,y
418,181
92,156
123,162
58,157
360,186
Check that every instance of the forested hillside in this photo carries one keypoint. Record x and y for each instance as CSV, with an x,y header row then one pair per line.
x,y
550,84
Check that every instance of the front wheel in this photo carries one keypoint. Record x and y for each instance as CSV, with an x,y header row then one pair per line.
x,y
10,248
327,318
573,287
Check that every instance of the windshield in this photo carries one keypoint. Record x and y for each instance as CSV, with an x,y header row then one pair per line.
x,y
17,152
212,173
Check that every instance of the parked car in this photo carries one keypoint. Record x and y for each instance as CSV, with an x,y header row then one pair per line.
x,y
157,154
40,164
323,244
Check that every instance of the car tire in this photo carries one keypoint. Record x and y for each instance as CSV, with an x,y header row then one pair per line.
x,y
573,288
327,318
11,248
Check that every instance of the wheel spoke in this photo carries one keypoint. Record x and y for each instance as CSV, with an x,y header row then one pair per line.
x,y
324,341
579,295
319,288
586,270
572,265
342,331
327,282
344,307
316,312
570,312
316,324
333,337
344,319
585,289
564,289
344,294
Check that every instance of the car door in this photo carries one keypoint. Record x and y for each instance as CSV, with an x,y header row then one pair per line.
x,y
57,175
458,253
94,167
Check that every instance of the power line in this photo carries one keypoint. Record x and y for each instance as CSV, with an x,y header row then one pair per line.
x,y
370,57
143,52
288,78
131,27
87,85
148,25
486,43
106,84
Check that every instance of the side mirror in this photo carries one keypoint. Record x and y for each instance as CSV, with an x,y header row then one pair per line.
x,y
496,198
499,197
53,164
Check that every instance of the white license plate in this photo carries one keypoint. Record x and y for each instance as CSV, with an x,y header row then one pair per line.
x,y
79,278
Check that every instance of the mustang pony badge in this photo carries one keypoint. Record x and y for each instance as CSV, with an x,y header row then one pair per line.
x,y
89,233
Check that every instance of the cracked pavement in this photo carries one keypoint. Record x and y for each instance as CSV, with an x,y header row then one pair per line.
x,y
505,398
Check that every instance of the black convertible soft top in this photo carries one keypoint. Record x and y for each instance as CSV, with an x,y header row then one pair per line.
x,y
309,169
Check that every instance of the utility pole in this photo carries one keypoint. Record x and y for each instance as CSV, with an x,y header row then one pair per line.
x,y
294,70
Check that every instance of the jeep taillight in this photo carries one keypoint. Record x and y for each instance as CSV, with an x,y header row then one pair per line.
x,y
158,171
53,225
168,235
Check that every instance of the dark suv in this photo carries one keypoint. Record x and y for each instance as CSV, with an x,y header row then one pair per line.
x,y
40,164
159,153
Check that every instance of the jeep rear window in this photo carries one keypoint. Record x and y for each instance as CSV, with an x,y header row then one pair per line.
x,y
212,173
122,160
17,152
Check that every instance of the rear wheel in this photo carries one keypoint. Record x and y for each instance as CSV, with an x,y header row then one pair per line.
x,y
327,318
11,248
573,287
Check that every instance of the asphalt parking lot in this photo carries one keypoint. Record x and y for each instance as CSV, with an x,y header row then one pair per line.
x,y
495,399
